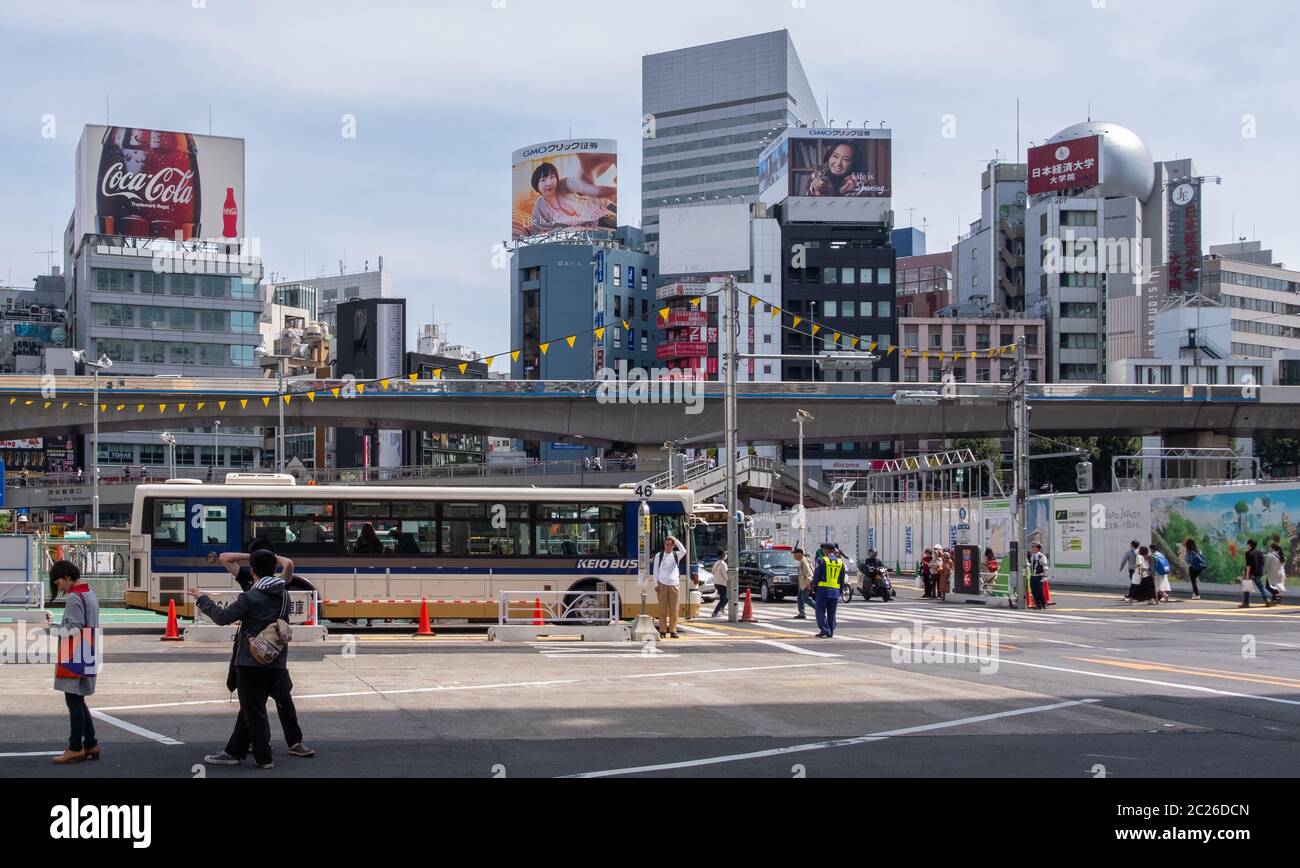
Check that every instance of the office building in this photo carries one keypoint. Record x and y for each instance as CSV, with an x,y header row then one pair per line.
x,y
708,112
1262,295
908,242
333,290
988,262
370,344
443,448
924,284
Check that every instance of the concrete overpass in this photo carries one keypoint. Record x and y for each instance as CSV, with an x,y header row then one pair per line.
x,y
586,412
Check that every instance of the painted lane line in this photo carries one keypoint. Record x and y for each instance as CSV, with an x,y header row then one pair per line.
x,y
1195,688
841,742
737,669
349,693
32,753
132,728
796,649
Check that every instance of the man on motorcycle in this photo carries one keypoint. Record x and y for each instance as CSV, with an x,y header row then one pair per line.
x,y
872,562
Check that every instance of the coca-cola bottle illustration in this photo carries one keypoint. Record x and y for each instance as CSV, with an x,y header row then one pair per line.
x,y
148,184
229,215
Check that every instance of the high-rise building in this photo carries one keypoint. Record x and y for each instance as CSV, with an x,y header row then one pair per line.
x,y
333,290
1261,293
708,112
370,344
988,263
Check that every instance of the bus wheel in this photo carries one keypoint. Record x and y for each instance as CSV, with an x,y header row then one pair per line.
x,y
584,605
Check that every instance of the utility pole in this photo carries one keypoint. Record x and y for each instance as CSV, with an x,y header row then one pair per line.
x,y
1020,468
729,439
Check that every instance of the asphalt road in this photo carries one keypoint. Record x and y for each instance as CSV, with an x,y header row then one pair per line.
x,y
1092,687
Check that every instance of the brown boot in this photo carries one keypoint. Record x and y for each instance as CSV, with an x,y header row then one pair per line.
x,y
92,753
70,756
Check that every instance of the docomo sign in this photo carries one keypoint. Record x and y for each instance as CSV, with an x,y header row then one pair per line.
x,y
1071,164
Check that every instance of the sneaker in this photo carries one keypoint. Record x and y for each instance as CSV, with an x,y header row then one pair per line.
x,y
673,636
1196,596
800,618
222,759
1243,605
300,749
269,765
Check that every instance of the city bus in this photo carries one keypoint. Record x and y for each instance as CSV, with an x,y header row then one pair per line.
x,y
456,548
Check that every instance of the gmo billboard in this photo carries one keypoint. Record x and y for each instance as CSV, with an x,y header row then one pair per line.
x,y
143,183
564,186
827,164
1069,165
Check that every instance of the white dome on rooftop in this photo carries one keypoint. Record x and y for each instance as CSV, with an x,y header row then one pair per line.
x,y
1126,164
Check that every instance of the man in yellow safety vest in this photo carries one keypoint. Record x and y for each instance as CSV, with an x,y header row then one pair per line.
x,y
827,579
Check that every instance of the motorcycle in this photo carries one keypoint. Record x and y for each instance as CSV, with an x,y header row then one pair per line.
x,y
876,583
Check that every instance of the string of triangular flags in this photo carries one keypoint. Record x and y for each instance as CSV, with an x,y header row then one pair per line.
x,y
867,344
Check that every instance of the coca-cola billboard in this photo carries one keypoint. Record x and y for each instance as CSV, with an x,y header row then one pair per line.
x,y
141,183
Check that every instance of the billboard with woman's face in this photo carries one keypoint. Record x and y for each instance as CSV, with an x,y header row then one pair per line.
x,y
564,186
826,164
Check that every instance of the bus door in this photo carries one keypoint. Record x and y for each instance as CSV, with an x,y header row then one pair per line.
x,y
215,526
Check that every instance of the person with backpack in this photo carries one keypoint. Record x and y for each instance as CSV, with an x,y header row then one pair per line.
x,y
667,575
1160,569
1196,565
261,658
1145,588
1275,572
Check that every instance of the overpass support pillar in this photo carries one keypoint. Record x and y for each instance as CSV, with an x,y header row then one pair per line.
x,y
1196,471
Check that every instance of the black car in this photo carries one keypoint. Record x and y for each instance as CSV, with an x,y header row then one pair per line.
x,y
770,573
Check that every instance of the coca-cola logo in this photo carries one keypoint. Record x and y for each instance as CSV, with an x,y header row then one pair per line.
x,y
166,185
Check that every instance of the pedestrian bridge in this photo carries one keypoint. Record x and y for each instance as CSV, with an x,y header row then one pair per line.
x,y
588,412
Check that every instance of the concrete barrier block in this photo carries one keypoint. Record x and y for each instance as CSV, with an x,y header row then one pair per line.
x,y
593,633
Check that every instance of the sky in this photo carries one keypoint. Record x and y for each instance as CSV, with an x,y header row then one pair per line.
x,y
442,91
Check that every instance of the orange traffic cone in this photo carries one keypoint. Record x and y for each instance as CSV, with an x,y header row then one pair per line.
x,y
748,615
172,634
311,615
1047,593
537,613
425,629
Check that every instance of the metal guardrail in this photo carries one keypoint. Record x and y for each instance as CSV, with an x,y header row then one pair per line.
x,y
22,595
104,564
558,607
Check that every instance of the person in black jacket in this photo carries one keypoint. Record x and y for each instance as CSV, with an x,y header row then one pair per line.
x,y
255,610
236,563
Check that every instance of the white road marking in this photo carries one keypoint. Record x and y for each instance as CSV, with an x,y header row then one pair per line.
x,y
737,669
841,742
132,728
32,753
795,648
702,631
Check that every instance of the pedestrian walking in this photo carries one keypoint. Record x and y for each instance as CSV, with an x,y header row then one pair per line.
x,y
1253,574
805,583
1275,572
1145,589
260,607
1196,565
667,573
78,660
237,564
1161,569
721,579
827,578
1129,562
1037,574
926,572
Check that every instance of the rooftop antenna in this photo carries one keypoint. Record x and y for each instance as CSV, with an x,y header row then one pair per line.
x,y
1017,129
1089,111
106,121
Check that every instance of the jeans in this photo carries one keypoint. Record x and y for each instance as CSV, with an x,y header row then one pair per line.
x,y
828,600
1194,574
252,729
805,596
1263,590
722,600
83,725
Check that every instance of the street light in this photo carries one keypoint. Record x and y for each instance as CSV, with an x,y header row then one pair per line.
x,y
800,416
103,364
170,440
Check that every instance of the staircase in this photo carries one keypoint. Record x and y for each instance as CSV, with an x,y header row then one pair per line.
x,y
760,475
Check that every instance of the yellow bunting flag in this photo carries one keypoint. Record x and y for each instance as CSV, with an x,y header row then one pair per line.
x,y
600,336
627,326
835,338
853,342
266,402
816,328
941,355
311,396
103,408
464,366
753,302
695,302
872,347
383,384
65,406
907,354
796,322
13,401
437,373
776,311
413,377
891,351
925,354
546,346
162,408
47,406
335,390
243,403
570,340
120,407
663,312
221,405
1012,348
288,399
181,407
514,355
27,403
361,388
139,408
201,405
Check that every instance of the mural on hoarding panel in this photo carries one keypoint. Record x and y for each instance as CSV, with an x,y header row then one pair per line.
x,y
1221,524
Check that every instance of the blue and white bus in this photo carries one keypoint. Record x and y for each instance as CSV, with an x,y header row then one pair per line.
x,y
456,548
